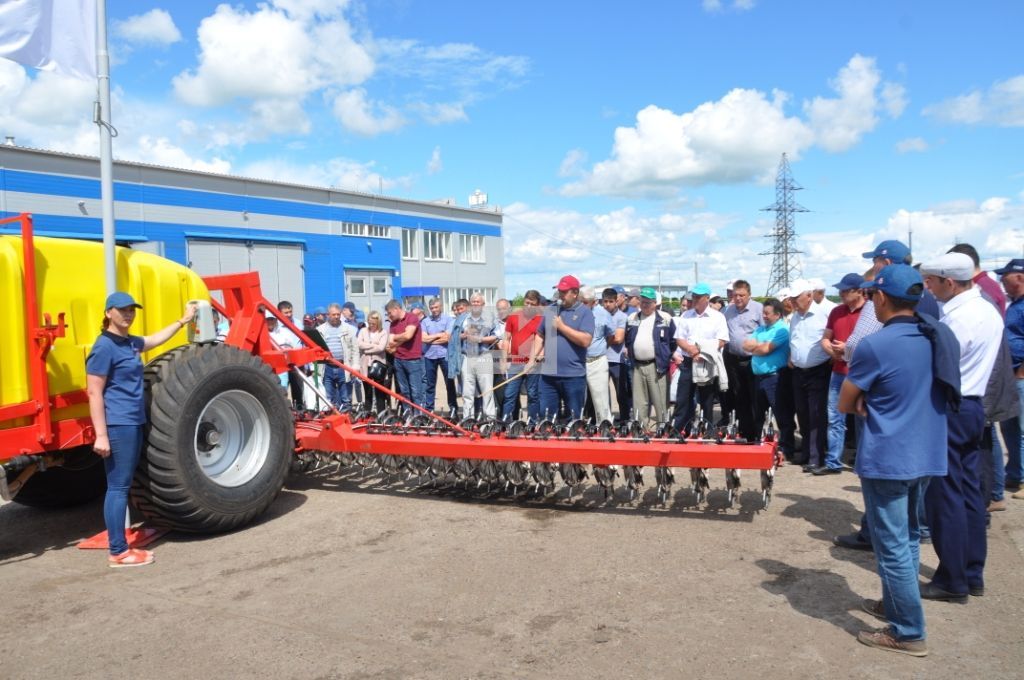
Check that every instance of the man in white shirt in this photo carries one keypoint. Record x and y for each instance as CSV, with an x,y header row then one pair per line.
x,y
818,295
954,504
811,372
701,334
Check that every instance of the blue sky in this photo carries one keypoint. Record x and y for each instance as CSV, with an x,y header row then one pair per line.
x,y
623,141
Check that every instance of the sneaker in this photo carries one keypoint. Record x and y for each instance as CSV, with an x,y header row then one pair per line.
x,y
133,557
1019,494
825,470
875,608
884,640
997,506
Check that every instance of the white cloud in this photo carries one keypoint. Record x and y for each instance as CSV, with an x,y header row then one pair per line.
x,y
441,113
341,173
572,163
718,5
1002,104
435,165
365,117
910,144
155,27
161,151
739,137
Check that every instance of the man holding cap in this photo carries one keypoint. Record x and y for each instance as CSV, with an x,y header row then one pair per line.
x,y
1012,278
954,503
840,325
563,337
892,382
650,339
701,330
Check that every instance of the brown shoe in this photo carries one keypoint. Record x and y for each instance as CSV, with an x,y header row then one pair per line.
x,y
875,608
883,639
997,506
1019,494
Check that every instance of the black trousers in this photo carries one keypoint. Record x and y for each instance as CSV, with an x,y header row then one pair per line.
x,y
621,378
810,397
955,506
689,396
742,398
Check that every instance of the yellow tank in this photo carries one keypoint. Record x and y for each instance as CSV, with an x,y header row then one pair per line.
x,y
70,279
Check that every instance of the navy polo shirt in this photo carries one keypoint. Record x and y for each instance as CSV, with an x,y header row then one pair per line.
x,y
561,357
904,435
119,360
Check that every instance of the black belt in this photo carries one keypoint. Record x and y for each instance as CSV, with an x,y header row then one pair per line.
x,y
638,362
971,398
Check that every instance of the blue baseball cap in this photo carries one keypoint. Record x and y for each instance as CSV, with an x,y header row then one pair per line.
x,y
121,300
1015,266
701,289
890,250
619,289
849,282
898,280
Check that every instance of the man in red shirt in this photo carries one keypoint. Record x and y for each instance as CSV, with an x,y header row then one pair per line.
x,y
841,322
520,330
405,341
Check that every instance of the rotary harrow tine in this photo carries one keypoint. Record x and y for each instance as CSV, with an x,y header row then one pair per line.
x,y
732,484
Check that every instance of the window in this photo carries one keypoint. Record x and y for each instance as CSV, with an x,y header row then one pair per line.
x,y
472,248
450,295
357,286
437,246
380,286
361,229
409,244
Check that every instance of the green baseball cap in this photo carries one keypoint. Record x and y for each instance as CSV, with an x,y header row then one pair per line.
x,y
648,292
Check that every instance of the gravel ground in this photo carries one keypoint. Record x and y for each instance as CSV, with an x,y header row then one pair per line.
x,y
348,578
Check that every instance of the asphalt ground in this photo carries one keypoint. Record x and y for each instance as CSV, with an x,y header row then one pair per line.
x,y
348,577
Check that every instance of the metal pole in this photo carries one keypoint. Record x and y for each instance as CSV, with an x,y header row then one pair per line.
x,y
102,118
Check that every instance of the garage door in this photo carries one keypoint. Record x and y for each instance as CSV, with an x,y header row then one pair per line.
x,y
280,266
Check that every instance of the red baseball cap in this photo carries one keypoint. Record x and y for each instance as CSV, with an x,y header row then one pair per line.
x,y
568,281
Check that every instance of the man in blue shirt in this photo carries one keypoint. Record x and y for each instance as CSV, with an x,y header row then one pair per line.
x,y
437,330
892,384
1012,278
598,404
768,347
618,366
563,338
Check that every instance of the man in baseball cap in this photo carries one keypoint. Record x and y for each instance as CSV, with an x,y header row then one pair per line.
x,y
1012,278
702,330
893,251
563,337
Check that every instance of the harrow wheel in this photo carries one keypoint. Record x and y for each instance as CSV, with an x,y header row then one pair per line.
x,y
517,429
767,481
516,472
732,484
665,478
543,474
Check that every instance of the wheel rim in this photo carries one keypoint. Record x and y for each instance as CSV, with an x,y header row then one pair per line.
x,y
232,438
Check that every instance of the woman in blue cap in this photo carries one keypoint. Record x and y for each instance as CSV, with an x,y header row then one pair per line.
x,y
118,411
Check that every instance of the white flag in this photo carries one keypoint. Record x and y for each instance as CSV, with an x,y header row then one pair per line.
x,y
52,35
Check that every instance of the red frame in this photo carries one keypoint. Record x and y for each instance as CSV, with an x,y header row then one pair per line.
x,y
246,306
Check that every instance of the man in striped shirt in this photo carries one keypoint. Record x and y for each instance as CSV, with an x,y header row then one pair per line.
x,y
341,341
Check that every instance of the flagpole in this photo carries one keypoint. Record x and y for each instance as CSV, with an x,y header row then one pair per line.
x,y
102,118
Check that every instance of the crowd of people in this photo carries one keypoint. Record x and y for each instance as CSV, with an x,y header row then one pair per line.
x,y
921,365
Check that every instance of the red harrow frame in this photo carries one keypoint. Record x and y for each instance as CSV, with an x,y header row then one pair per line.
x,y
519,454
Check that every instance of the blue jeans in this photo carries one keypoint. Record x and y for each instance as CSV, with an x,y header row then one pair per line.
x,y
125,449
556,390
891,508
836,424
532,381
339,392
430,369
1014,443
409,374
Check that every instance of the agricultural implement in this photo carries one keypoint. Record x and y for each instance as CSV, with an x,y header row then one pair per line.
x,y
222,435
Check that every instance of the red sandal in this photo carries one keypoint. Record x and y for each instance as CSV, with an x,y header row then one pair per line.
x,y
133,557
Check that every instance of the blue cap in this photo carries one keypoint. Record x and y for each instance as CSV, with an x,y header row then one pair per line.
x,y
701,289
121,300
896,280
320,310
417,305
890,250
849,282
619,289
351,306
1012,267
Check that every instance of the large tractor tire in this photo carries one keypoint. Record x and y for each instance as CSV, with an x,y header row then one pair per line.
x,y
219,441
79,480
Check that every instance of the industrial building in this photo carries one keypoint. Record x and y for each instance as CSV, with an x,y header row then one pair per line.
x,y
310,245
